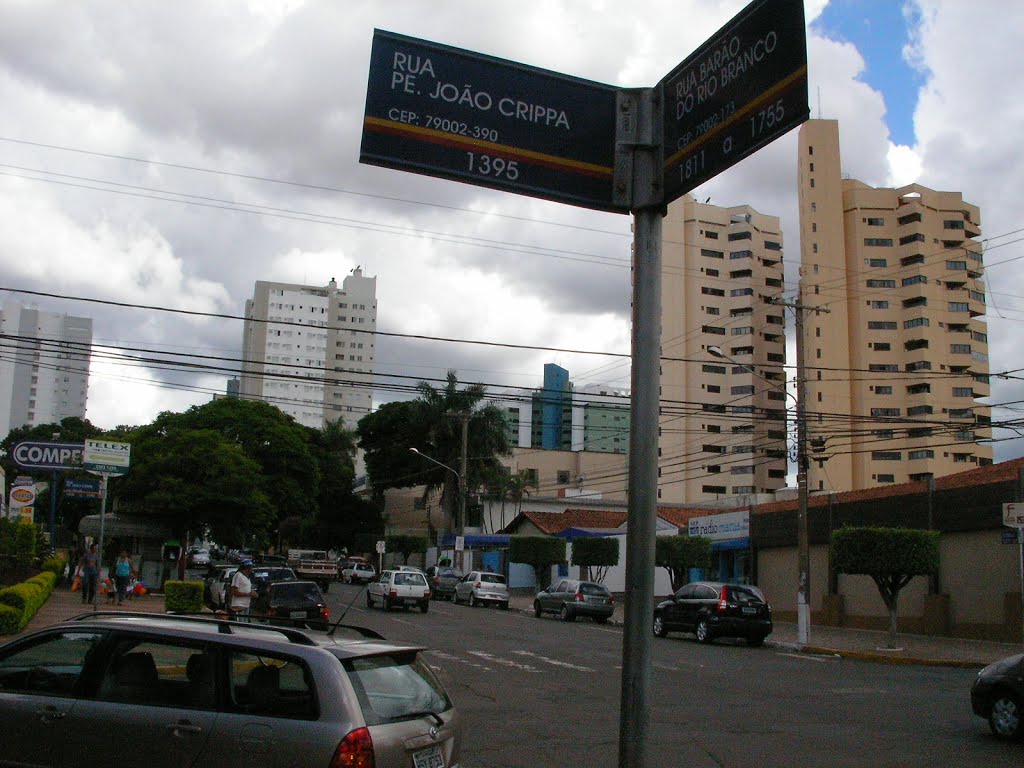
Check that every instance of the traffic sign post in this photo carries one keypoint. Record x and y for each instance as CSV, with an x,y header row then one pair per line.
x,y
106,459
447,112
1013,517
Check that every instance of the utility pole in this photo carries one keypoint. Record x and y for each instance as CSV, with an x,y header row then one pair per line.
x,y
803,595
461,522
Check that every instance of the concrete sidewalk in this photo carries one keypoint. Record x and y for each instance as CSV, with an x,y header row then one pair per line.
x,y
863,644
63,604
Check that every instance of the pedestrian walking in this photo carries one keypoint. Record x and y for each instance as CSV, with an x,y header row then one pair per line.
x,y
90,565
122,575
241,591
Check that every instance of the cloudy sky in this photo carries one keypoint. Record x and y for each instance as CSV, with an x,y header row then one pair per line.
x,y
171,154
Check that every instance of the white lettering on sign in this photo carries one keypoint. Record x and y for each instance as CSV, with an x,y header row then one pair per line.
x,y
720,68
408,70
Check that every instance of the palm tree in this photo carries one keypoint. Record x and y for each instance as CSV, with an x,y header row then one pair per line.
x,y
443,410
518,487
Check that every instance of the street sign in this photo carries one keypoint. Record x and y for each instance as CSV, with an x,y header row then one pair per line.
x,y
44,455
85,488
460,543
380,547
744,88
460,115
106,458
1010,537
1013,515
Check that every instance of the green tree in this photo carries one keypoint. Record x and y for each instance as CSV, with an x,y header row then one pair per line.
x,y
433,424
198,480
890,556
599,553
540,552
678,554
405,545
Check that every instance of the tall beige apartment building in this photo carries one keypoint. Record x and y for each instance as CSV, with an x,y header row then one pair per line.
x,y
309,349
897,366
722,427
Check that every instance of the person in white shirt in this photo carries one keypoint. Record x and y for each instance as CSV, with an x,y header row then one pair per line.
x,y
241,590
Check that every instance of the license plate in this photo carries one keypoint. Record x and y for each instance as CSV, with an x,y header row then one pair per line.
x,y
750,610
428,758
298,614
411,601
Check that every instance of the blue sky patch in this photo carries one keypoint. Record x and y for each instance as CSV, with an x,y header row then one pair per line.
x,y
879,31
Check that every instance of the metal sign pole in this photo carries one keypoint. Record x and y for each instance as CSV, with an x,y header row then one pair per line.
x,y
99,548
644,135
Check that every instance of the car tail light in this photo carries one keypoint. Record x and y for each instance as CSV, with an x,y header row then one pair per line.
x,y
354,751
579,597
437,579
325,612
723,603
426,593
478,585
393,593
611,599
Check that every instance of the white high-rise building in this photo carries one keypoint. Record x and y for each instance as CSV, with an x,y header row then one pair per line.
x,y
44,366
309,350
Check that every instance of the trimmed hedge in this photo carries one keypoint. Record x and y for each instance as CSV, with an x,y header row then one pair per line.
x,y
55,565
24,600
183,596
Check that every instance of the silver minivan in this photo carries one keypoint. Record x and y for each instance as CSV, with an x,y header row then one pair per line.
x,y
481,588
134,689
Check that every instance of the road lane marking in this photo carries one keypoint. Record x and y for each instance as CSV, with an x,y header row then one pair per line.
x,y
554,662
452,657
503,662
808,657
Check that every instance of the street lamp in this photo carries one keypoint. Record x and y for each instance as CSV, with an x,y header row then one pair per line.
x,y
460,524
803,595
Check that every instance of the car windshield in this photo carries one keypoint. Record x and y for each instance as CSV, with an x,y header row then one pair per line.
x,y
299,591
409,578
274,574
492,578
395,687
593,589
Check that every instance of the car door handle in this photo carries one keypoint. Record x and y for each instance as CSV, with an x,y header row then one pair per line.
x,y
177,729
49,713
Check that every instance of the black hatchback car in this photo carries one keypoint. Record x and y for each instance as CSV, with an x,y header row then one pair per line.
x,y
998,696
711,609
301,603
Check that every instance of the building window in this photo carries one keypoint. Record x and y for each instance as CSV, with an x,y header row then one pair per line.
x,y
885,412
711,272
910,218
887,455
917,237
881,242
925,453
733,255
741,292
881,284
712,291
916,279
563,476
917,322
953,224
880,346
712,254
882,325
963,392
879,304
876,222
740,236
956,266
743,389
883,390
706,368
712,329
877,263
886,478
960,349
959,306
771,245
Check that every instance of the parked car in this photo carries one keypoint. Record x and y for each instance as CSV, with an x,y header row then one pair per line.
x,y
482,587
198,558
998,696
569,599
348,561
219,587
399,588
265,559
442,580
297,603
158,690
264,575
711,609
358,573
212,586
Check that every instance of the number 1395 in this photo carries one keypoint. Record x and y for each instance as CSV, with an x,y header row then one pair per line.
x,y
486,165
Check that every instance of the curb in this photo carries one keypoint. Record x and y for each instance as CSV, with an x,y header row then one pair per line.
x,y
879,657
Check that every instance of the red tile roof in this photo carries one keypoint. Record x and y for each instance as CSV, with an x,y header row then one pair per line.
x,y
556,522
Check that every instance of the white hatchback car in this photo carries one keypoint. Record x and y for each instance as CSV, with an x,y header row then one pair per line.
x,y
399,588
482,587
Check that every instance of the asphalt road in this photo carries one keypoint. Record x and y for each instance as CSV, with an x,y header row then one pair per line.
x,y
542,692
